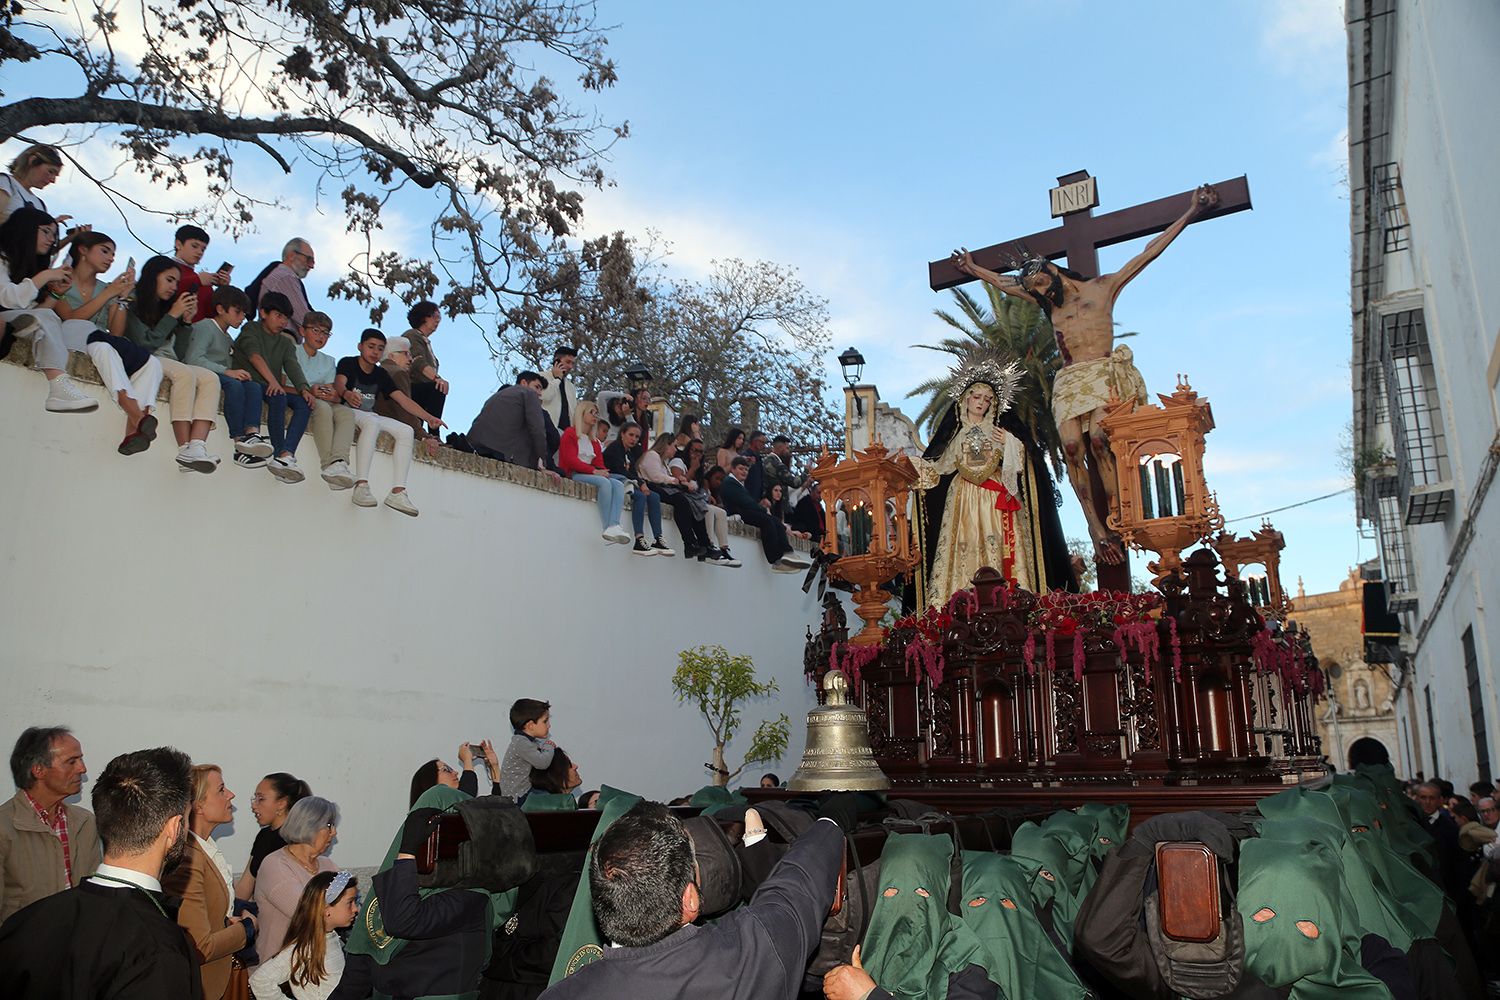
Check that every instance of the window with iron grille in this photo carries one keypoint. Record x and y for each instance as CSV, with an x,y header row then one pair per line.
x,y
1395,555
1394,222
1416,419
1476,705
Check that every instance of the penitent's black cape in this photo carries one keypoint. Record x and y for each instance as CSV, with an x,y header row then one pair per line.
x,y
1056,562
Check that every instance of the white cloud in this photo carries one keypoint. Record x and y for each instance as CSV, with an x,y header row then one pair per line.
x,y
1305,38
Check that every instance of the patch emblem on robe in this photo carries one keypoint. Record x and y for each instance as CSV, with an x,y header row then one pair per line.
x,y
375,927
586,955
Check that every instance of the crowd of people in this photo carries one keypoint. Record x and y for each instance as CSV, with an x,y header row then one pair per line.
x,y
135,899
256,354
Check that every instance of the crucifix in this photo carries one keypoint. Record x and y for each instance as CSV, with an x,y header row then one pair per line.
x,y
1080,303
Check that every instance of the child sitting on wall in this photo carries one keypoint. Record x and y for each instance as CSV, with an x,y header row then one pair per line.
x,y
272,360
210,346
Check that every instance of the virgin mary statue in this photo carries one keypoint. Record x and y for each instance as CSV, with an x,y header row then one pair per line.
x,y
985,496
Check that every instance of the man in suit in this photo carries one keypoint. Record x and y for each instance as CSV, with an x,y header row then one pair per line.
x,y
46,845
739,500
114,935
512,426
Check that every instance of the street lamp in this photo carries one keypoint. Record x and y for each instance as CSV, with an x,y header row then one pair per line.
x,y
639,376
853,363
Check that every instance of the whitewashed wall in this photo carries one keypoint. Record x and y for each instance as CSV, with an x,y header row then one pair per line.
x,y
1445,140
268,627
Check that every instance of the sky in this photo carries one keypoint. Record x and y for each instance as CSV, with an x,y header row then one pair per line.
x,y
858,142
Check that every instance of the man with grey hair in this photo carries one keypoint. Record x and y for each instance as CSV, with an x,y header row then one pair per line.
x,y
46,845
285,276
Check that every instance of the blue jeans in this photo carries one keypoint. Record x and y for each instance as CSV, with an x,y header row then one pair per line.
x,y
640,506
242,403
611,499
284,436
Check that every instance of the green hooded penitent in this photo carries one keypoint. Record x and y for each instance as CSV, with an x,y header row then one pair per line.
x,y
1077,833
540,802
1298,930
1044,859
914,942
1113,825
1299,814
713,798
1018,955
581,941
368,936
1368,829
1402,829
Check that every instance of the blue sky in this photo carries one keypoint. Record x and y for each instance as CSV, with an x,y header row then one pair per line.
x,y
856,142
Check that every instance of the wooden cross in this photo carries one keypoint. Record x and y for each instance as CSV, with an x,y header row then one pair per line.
x,y
1078,239
1082,232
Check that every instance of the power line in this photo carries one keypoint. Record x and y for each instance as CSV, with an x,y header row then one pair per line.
x,y
1300,503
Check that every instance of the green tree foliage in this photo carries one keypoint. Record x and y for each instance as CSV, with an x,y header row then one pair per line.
x,y
1015,328
718,683
361,99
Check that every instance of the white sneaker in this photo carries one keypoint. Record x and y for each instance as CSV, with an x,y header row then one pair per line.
x,y
616,535
255,445
785,565
194,457
65,397
402,502
285,469
338,476
363,497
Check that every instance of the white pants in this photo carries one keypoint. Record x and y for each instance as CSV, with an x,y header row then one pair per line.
x,y
368,426
716,523
52,337
141,387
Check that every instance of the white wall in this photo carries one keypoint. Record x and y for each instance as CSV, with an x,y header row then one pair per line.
x,y
268,627
1445,139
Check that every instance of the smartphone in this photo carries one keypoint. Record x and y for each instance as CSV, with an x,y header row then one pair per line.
x,y
226,267
130,264
478,750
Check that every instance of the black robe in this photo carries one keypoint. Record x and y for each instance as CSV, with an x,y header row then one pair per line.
x,y
95,942
756,952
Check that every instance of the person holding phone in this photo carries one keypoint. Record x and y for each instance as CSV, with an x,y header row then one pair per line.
x,y
189,246
156,320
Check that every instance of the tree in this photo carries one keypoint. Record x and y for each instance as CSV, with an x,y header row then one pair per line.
x,y
1015,328
751,329
717,683
371,98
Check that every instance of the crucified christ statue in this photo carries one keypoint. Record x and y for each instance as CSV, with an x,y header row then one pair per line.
x,y
1082,314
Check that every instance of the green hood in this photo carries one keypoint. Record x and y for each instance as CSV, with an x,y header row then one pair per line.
x,y
1018,955
1402,828
1369,830
1045,860
914,942
368,936
1299,814
581,941
540,802
1113,822
1078,834
712,798
1299,930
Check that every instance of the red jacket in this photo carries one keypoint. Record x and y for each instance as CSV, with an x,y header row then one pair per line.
x,y
190,282
569,461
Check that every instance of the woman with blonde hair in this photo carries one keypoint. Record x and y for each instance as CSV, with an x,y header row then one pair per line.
x,y
35,168
653,469
204,883
581,457
312,963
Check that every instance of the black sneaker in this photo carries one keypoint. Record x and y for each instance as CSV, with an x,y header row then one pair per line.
x,y
721,557
249,461
661,548
641,548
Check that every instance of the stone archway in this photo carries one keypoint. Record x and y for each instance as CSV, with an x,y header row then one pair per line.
x,y
1373,739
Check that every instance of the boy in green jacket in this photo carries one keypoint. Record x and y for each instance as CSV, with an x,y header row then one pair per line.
x,y
271,359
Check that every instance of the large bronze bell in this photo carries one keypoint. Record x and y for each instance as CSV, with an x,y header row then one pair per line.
x,y
838,757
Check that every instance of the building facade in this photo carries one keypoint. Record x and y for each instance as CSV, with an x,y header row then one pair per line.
x,y
1425,284
1361,698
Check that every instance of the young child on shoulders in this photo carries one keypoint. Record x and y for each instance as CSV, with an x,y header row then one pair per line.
x,y
210,346
531,720
312,963
272,360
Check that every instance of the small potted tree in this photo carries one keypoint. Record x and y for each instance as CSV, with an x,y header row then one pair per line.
x,y
719,684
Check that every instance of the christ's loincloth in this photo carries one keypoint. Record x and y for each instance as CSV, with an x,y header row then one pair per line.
x,y
1081,388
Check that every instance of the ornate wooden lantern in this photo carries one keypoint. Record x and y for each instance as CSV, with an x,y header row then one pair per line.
x,y
865,499
1163,504
1261,548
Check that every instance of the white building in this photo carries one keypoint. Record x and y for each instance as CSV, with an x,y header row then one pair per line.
x,y
1424,142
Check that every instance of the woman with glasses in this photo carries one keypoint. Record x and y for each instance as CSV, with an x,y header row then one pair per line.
x,y
309,830
437,772
272,801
